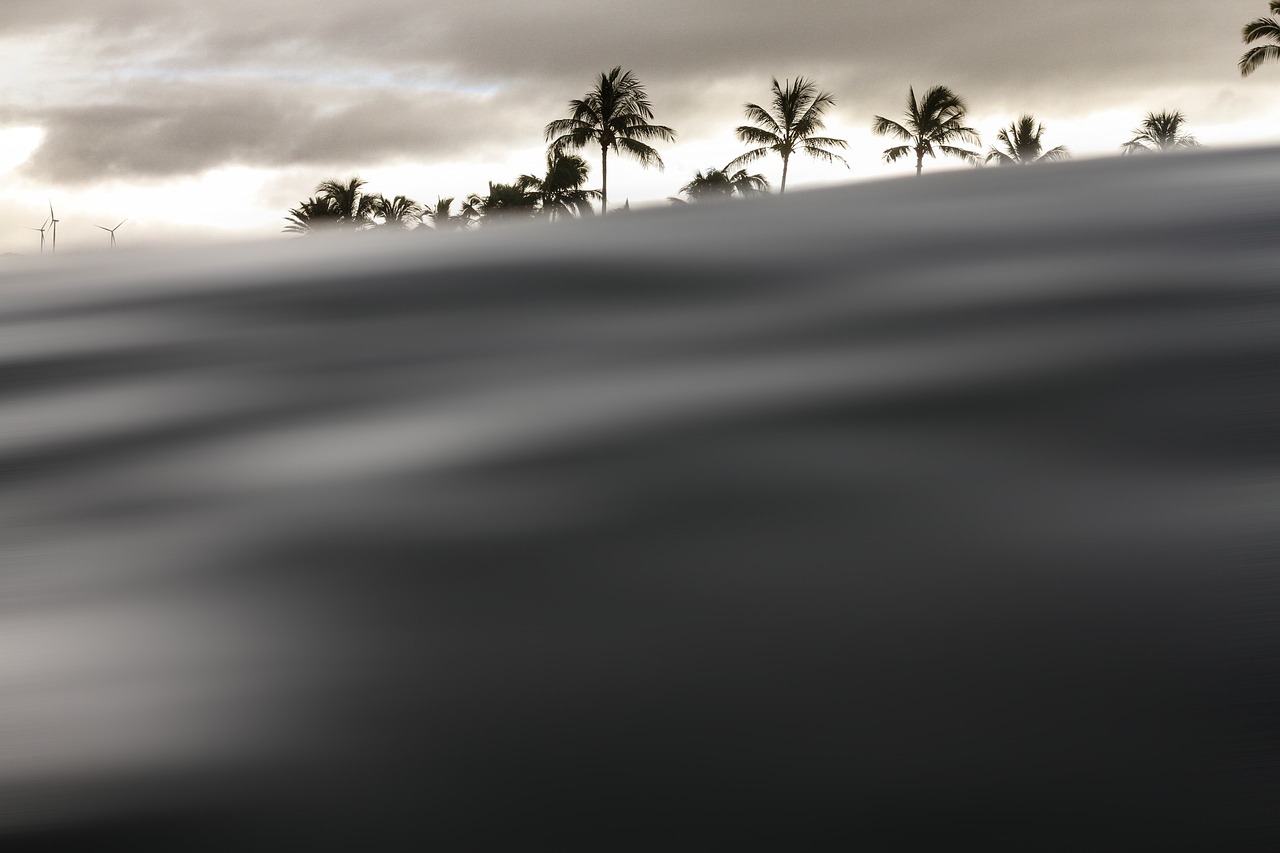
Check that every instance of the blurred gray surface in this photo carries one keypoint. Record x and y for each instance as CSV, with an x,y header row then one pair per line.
x,y
908,514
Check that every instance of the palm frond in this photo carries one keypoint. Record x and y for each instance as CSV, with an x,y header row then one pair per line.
x,y
1260,28
824,155
747,185
953,129
940,99
645,154
749,157
826,142
811,118
892,155
757,136
882,126
1256,56
635,129
971,157
569,131
760,116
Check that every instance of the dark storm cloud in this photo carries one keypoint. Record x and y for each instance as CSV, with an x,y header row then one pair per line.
x,y
1001,55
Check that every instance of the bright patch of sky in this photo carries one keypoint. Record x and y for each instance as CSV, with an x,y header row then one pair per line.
x,y
17,144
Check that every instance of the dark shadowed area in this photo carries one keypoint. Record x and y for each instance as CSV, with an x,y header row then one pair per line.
x,y
924,514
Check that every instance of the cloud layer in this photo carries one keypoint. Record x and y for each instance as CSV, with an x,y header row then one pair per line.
x,y
148,89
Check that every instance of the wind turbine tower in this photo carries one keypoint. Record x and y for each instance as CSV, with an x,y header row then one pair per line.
x,y
54,220
112,232
41,229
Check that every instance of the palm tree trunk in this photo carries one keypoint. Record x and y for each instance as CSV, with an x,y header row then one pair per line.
x,y
919,161
786,161
604,179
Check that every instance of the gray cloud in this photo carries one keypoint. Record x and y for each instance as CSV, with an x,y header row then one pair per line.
x,y
161,129
995,41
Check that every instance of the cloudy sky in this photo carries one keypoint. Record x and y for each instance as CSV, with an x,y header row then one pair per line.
x,y
206,121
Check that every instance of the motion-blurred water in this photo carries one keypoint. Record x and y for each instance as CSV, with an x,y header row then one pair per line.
x,y
908,515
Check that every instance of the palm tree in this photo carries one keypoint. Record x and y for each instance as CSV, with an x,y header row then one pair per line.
x,y
504,203
311,216
932,125
441,217
1160,132
560,193
399,212
472,210
1022,145
614,115
791,126
719,185
353,210
1255,30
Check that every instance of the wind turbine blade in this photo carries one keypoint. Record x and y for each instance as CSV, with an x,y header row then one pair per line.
x,y
103,227
122,221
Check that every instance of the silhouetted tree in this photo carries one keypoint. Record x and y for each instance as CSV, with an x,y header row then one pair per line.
x,y
790,126
504,203
472,210
932,124
313,215
719,185
399,212
1160,131
560,192
353,209
440,216
1256,30
345,206
616,116
1022,145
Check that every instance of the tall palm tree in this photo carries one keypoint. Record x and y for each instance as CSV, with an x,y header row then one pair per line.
x,y
932,124
616,116
1160,131
1022,145
791,125
560,192
719,185
1256,30
399,212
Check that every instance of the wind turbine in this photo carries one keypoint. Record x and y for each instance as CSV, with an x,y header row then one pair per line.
x,y
112,231
54,248
41,230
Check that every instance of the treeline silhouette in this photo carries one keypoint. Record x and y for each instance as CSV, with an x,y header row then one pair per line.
x,y
616,116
